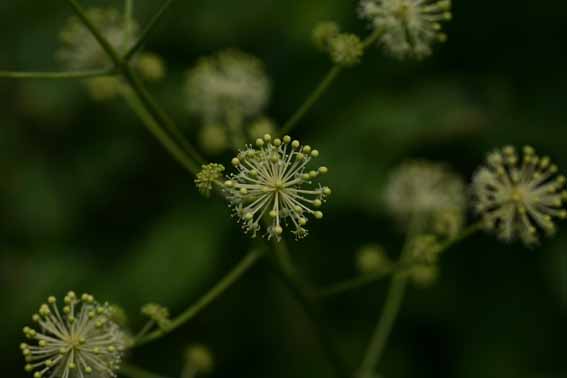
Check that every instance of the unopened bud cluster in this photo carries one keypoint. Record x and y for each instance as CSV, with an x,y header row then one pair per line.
x,y
210,175
198,360
158,314
372,259
423,268
344,49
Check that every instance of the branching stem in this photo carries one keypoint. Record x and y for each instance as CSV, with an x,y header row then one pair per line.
x,y
322,87
287,274
143,95
56,75
392,307
216,291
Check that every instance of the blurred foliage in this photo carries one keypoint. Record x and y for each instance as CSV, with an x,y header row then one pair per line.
x,y
88,201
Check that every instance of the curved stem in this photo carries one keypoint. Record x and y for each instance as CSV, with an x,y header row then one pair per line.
x,y
384,327
312,99
151,105
128,23
350,285
154,128
365,280
56,75
148,30
393,304
286,273
224,284
372,38
131,371
327,81
143,95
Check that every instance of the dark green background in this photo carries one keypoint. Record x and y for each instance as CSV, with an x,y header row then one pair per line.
x,y
90,202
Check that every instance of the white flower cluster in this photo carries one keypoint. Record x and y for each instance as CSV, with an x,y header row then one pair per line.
x,y
82,51
408,28
78,340
272,181
518,195
230,81
428,193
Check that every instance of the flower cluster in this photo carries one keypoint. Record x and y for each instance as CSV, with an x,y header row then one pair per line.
x,y
372,259
158,314
408,27
427,193
78,340
230,81
345,49
80,48
323,34
209,175
423,269
272,182
517,195
198,361
81,51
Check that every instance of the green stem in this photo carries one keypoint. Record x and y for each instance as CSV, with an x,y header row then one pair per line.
x,y
145,329
393,304
56,75
144,97
234,121
372,38
384,327
312,99
350,285
132,371
223,285
154,128
365,280
286,273
128,22
148,30
327,81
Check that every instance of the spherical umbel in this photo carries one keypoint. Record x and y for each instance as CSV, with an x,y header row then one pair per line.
x,y
273,186
429,194
518,195
408,28
82,51
226,83
75,340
